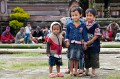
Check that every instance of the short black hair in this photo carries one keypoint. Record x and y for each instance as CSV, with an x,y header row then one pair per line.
x,y
71,1
92,11
76,8
28,23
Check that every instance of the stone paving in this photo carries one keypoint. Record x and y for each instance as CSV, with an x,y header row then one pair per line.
x,y
109,65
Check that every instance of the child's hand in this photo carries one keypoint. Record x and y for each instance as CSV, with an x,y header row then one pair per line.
x,y
67,44
85,46
48,55
89,43
63,20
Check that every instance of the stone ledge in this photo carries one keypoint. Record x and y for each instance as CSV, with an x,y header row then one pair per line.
x,y
43,51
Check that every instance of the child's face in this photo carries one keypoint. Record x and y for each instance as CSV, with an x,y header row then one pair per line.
x,y
56,29
90,17
75,15
22,30
28,25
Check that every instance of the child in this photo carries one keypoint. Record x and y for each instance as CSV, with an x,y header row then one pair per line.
x,y
65,21
81,62
92,53
54,49
107,35
27,33
75,33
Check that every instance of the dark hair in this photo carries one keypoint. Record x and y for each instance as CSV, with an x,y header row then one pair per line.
x,y
72,1
76,8
28,23
92,11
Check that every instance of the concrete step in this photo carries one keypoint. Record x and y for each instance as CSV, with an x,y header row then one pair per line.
x,y
31,46
37,1
12,51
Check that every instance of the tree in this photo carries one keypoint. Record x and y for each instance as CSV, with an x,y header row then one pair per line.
x,y
91,3
18,17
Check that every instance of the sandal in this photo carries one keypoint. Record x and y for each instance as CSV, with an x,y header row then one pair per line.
x,y
52,75
67,71
75,73
80,71
59,75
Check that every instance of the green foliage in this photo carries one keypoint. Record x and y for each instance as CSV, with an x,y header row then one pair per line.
x,y
33,54
19,14
28,65
15,24
91,4
22,46
18,17
18,10
111,46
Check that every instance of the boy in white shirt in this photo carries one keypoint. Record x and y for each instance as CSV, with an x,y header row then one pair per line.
x,y
27,33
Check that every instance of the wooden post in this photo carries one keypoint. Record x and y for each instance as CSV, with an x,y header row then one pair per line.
x,y
106,8
102,11
3,6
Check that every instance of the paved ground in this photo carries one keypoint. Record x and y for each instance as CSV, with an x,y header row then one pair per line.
x,y
109,65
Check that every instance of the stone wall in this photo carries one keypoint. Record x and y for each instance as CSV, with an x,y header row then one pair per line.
x,y
41,11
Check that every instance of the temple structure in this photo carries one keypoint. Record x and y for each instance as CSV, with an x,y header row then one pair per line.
x,y
42,11
113,8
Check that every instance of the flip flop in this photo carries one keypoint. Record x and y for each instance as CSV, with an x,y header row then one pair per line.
x,y
67,72
59,75
76,74
52,75
80,71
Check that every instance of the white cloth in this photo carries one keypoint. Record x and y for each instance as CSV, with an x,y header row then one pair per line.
x,y
27,29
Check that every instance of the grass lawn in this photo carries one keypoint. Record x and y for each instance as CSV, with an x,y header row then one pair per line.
x,y
23,61
23,64
115,75
27,54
